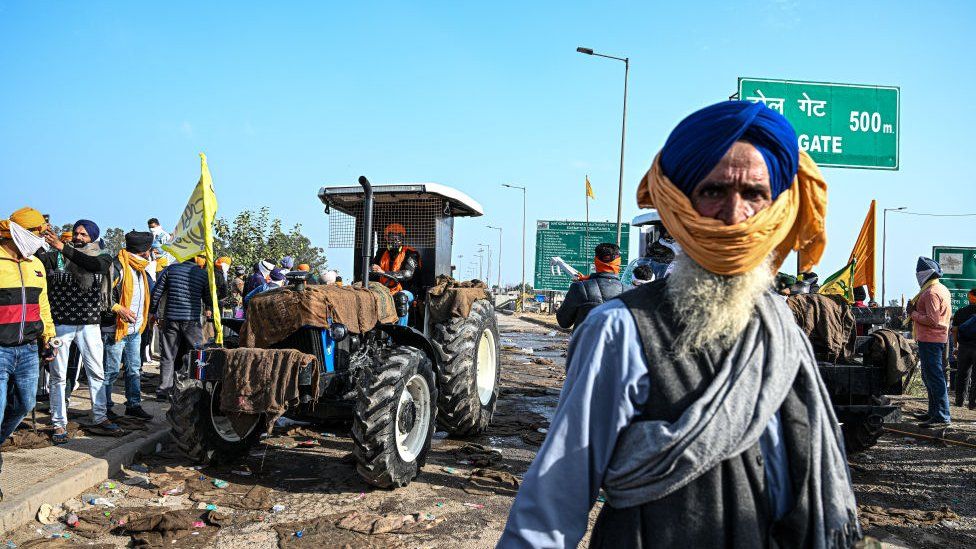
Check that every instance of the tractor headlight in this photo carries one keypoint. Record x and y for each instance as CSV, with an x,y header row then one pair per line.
x,y
338,332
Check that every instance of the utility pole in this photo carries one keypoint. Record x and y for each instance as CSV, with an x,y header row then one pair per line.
x,y
499,229
623,135
522,289
884,246
488,265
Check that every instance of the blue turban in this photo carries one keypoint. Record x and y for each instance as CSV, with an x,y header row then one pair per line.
x,y
927,269
287,262
89,226
697,144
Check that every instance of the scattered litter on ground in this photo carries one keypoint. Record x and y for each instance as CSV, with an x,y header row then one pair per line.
x,y
368,523
872,515
477,455
485,482
441,435
277,508
47,514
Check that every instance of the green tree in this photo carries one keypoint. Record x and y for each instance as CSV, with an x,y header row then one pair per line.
x,y
253,236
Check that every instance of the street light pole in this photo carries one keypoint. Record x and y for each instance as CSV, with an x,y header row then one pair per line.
x,y
499,229
884,245
623,136
488,266
522,290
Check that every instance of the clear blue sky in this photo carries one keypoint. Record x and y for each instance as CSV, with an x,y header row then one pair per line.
x,y
103,106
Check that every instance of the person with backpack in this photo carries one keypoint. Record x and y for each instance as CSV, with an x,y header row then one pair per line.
x,y
964,334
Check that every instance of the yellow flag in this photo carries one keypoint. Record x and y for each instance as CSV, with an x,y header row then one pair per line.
x,y
863,253
841,283
589,189
193,235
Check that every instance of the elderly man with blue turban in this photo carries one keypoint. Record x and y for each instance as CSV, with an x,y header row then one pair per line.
x,y
694,402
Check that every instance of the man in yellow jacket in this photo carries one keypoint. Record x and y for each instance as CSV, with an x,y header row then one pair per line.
x,y
25,316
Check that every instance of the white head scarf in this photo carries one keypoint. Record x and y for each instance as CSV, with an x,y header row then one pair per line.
x,y
27,242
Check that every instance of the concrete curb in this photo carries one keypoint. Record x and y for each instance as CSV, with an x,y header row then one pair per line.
x,y
21,509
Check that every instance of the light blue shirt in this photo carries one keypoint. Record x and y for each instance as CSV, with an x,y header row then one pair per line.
x,y
605,389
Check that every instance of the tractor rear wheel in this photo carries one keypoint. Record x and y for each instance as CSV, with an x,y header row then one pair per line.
x,y
200,429
395,415
469,371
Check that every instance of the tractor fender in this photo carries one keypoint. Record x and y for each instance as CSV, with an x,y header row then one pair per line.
x,y
405,335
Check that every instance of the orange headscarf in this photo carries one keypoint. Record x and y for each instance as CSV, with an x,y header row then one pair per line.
x,y
794,221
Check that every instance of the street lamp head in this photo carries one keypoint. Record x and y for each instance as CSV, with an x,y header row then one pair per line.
x,y
587,51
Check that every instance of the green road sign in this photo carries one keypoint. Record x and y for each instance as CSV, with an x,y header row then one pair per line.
x,y
574,242
839,125
958,272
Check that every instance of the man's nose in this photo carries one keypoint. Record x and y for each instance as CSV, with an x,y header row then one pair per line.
x,y
735,210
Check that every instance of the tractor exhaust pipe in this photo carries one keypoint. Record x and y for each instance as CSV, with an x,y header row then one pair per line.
x,y
367,228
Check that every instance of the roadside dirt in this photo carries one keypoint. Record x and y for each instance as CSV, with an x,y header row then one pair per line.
x,y
299,487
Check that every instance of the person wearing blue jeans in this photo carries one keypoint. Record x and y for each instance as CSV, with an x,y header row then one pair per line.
x,y
25,316
127,352
122,332
19,368
931,315
933,376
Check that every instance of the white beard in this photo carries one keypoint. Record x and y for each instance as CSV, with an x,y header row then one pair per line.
x,y
713,310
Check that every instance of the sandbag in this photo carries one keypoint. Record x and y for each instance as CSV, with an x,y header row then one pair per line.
x,y
452,299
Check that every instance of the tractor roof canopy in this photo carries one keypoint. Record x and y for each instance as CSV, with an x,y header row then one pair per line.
x,y
349,199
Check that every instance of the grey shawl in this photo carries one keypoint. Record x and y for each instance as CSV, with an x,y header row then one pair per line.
x,y
752,382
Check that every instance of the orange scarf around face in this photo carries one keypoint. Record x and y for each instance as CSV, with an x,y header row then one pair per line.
x,y
604,267
794,221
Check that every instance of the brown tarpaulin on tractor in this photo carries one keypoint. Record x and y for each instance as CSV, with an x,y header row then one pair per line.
x,y
452,299
275,315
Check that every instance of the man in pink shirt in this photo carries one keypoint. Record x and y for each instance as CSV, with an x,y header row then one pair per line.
x,y
931,314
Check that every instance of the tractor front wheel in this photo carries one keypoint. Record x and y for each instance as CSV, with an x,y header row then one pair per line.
x,y
395,415
469,371
202,431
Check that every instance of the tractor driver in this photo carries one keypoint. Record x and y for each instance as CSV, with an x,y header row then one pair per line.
x,y
395,266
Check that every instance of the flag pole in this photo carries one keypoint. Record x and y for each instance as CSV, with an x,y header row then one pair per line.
x,y
208,251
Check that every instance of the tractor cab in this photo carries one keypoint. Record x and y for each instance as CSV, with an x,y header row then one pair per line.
x,y
426,212
653,246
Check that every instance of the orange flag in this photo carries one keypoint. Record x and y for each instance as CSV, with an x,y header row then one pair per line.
x,y
863,252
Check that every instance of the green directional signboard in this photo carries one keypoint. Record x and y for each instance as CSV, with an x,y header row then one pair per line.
x,y
958,272
573,242
839,125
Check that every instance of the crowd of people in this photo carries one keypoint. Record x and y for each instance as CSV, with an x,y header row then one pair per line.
x,y
67,303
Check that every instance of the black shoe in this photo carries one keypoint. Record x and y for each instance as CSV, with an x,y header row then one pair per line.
x,y
162,396
138,413
935,424
921,416
959,402
972,406
111,415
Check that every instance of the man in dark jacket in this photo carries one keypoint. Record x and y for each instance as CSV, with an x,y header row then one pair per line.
x,y
78,290
965,353
588,292
185,288
122,331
